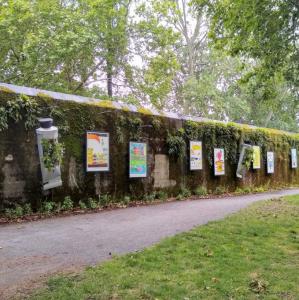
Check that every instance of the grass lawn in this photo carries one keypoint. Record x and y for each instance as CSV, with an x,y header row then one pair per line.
x,y
253,254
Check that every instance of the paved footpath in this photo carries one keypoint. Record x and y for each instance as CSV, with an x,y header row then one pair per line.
x,y
30,251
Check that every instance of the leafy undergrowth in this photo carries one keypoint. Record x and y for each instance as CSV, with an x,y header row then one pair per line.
x,y
253,254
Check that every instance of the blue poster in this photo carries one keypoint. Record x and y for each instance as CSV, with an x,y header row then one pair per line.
x,y
138,160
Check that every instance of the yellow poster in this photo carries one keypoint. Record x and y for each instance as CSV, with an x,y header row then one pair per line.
x,y
256,157
195,155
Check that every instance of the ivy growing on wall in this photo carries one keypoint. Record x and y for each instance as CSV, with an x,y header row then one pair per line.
x,y
248,158
20,108
176,144
131,126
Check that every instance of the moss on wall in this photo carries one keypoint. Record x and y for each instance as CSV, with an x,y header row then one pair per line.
x,y
74,119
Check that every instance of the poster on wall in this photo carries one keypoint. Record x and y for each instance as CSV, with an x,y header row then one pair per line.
x,y
270,162
256,157
97,148
195,155
219,165
138,160
294,161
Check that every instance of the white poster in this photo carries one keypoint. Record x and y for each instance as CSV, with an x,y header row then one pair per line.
x,y
270,162
195,155
294,161
219,165
97,148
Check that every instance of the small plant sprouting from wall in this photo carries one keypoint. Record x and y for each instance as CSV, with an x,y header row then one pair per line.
x,y
21,108
176,144
130,125
248,158
52,153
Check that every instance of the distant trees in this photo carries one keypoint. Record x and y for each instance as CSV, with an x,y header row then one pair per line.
x,y
231,60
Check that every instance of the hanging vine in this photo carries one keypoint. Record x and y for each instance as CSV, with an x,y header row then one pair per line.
x,y
52,153
21,108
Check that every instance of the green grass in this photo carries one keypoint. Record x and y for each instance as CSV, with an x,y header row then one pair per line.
x,y
253,254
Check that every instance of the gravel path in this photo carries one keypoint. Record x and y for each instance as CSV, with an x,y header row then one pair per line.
x,y
30,251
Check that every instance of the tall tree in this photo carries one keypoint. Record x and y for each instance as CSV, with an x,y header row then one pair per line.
x,y
267,30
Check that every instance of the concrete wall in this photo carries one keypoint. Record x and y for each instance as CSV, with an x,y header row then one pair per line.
x,y
20,177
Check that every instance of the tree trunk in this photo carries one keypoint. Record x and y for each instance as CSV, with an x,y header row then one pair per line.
x,y
109,80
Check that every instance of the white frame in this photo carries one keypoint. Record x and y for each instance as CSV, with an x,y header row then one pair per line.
x,y
192,168
97,169
215,169
146,161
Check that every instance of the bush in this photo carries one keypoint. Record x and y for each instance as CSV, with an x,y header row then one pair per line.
x,y
150,197
220,190
201,191
48,207
259,189
19,211
126,200
82,205
67,203
105,200
27,209
180,197
162,195
185,192
10,213
91,203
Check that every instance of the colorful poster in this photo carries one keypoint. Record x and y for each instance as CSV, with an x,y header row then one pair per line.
x,y
195,155
97,145
270,162
256,157
138,160
294,161
219,165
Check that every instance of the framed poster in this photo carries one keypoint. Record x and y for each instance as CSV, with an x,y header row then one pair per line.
x,y
138,160
256,157
195,155
294,162
270,162
219,165
97,151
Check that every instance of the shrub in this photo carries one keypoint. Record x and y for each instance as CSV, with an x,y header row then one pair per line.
x,y
259,189
27,209
220,190
19,211
185,192
244,190
150,197
91,203
162,195
10,213
67,203
126,200
48,207
82,205
104,200
180,197
201,191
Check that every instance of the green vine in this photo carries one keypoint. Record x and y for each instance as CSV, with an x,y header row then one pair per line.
x,y
176,144
248,158
21,108
130,125
52,153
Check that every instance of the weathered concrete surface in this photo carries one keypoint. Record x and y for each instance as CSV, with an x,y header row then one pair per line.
x,y
29,251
